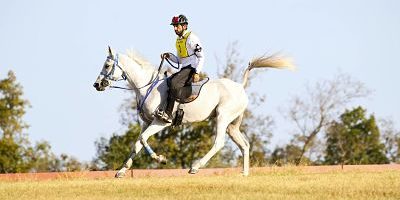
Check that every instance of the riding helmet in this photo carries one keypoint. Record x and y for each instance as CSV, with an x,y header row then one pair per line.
x,y
181,19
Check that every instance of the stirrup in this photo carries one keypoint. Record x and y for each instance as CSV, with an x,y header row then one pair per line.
x,y
162,115
159,113
166,118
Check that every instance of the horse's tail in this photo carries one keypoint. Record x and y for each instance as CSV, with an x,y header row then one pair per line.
x,y
272,61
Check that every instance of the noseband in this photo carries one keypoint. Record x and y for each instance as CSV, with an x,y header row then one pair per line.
x,y
109,75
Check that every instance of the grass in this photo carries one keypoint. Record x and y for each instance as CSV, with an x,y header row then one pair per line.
x,y
288,184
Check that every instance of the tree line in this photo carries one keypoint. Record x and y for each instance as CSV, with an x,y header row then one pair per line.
x,y
17,154
328,130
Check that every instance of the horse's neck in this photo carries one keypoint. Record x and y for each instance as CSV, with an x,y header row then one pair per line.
x,y
138,76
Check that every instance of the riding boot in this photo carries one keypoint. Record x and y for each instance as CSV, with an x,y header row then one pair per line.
x,y
170,105
167,116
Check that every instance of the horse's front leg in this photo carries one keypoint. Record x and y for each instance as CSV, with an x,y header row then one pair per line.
x,y
135,150
155,127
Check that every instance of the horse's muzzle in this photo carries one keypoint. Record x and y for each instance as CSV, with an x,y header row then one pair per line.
x,y
98,87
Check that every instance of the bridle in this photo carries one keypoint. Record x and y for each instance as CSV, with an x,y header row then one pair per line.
x,y
152,83
109,76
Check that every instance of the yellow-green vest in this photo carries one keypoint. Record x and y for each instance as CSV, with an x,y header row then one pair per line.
x,y
181,46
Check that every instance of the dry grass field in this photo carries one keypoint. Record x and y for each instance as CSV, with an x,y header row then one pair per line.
x,y
325,182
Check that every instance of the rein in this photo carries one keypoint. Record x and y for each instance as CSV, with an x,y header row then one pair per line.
x,y
172,64
124,75
156,77
153,82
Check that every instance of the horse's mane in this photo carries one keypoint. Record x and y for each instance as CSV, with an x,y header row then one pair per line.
x,y
134,55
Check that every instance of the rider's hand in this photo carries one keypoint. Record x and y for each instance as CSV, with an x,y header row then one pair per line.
x,y
165,55
196,78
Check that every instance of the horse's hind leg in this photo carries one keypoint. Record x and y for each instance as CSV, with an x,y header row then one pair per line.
x,y
218,144
226,113
241,141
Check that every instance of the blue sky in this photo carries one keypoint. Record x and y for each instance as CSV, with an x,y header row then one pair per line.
x,y
56,49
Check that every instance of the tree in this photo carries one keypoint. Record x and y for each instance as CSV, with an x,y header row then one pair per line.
x,y
40,158
287,154
69,163
313,112
16,152
355,139
12,110
11,157
391,138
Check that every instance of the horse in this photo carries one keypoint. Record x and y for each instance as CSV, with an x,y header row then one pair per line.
x,y
223,99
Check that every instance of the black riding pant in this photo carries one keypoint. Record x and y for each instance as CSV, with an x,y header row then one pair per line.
x,y
177,81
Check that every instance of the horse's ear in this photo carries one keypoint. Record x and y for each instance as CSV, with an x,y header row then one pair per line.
x,y
110,52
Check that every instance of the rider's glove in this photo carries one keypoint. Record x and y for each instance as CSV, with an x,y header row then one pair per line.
x,y
196,78
165,55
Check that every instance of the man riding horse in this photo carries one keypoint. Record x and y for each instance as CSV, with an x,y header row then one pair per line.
x,y
190,59
223,98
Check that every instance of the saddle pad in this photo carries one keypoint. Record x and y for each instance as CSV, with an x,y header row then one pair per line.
x,y
189,93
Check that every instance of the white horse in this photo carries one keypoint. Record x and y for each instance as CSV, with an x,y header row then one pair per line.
x,y
222,98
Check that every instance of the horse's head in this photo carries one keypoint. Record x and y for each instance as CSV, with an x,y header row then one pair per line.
x,y
111,71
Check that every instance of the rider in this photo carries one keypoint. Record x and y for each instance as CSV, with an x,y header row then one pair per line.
x,y
190,59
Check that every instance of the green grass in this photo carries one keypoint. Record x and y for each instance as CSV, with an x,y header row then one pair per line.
x,y
272,185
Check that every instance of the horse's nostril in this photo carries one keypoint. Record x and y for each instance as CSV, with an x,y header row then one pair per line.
x,y
96,85
105,83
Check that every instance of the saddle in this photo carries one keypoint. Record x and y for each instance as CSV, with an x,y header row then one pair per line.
x,y
189,92
186,94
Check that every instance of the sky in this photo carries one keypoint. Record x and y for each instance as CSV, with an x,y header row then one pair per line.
x,y
57,49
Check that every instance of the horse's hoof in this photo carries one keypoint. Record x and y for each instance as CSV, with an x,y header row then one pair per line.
x,y
120,174
162,159
193,171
